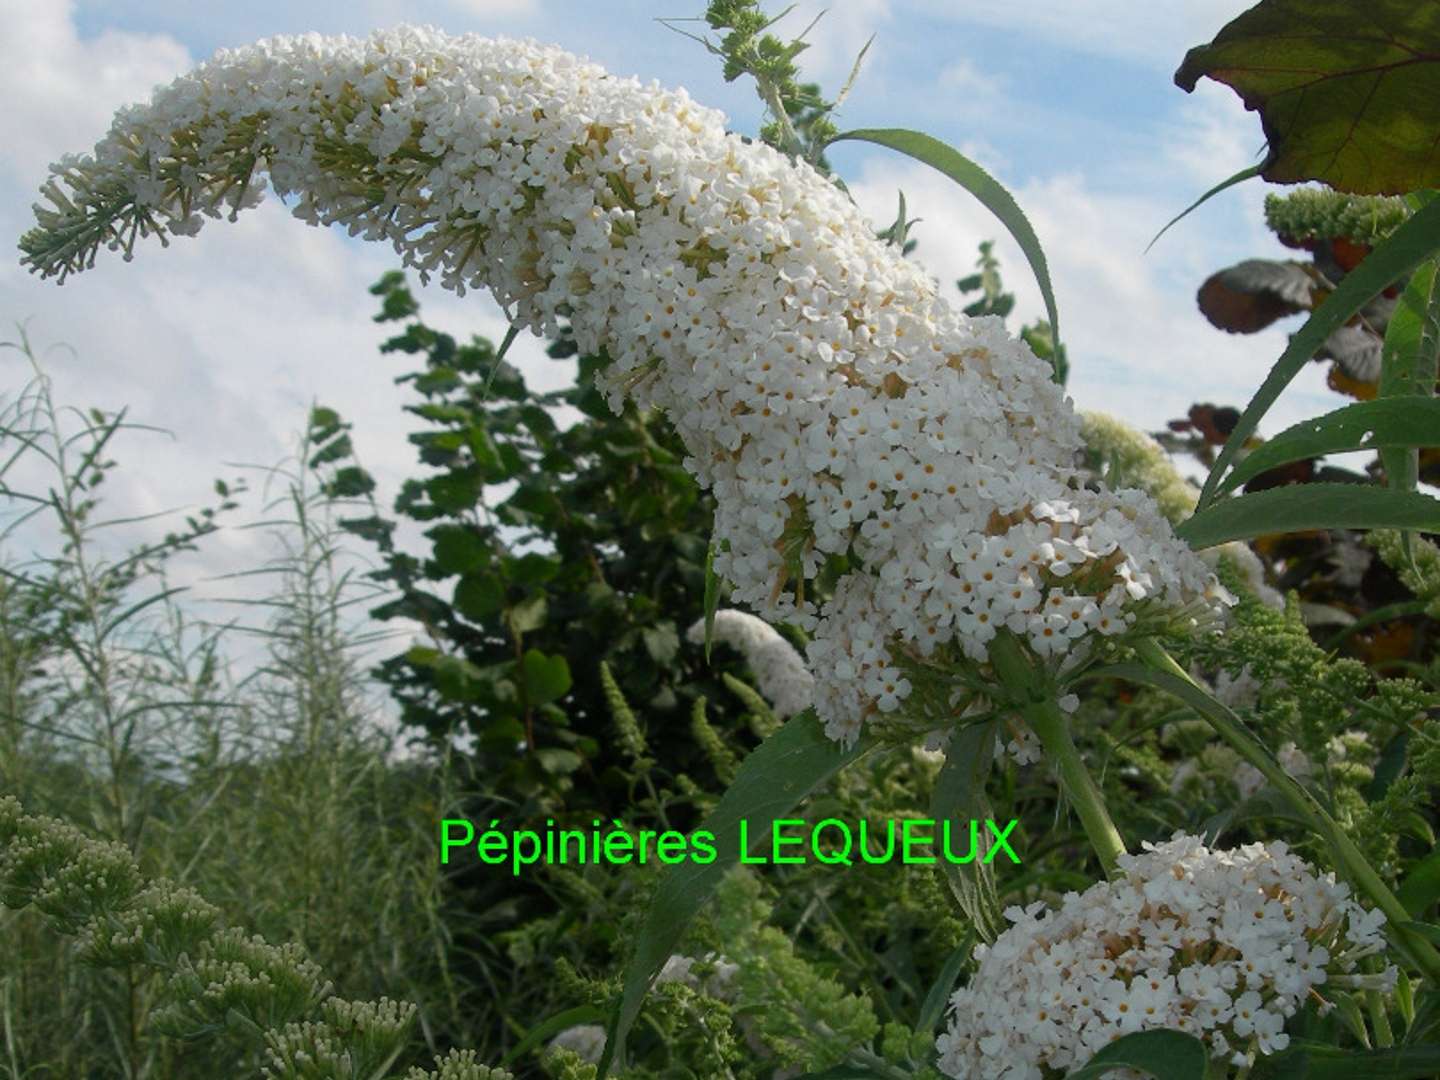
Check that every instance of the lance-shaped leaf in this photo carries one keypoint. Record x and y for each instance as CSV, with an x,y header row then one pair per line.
x,y
1367,425
1408,367
983,186
1410,245
959,796
1316,1061
1309,506
1348,93
771,782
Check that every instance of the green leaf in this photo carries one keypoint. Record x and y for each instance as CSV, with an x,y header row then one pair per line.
x,y
528,615
534,568
1410,245
933,1010
1366,425
546,677
550,1027
979,183
1421,887
771,781
1239,178
1321,1062
482,445
1268,802
1165,1055
454,492
458,679
351,482
712,597
1412,337
1425,930
459,549
1348,94
478,596
1310,506
960,795
1408,362
662,641
557,761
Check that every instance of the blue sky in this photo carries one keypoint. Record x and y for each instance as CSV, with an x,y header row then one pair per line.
x,y
225,340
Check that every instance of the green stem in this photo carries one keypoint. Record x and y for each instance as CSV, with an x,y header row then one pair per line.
x,y
1379,1019
1350,861
1036,703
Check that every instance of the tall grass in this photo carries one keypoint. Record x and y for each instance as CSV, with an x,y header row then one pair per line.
x,y
275,789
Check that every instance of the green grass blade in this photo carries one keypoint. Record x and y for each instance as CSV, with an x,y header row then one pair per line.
x,y
1409,246
1239,178
550,1027
1383,424
712,597
933,1010
1310,506
982,185
771,782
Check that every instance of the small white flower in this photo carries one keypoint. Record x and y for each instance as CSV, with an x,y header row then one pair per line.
x,y
1173,943
822,386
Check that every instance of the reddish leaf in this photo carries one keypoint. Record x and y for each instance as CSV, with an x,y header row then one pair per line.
x,y
1253,294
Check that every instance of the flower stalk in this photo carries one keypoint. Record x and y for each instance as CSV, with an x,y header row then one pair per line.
x,y
1348,858
1036,702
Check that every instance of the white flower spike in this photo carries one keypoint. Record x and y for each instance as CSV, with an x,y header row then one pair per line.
x,y
827,394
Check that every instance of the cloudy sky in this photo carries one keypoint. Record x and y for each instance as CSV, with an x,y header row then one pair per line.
x,y
225,341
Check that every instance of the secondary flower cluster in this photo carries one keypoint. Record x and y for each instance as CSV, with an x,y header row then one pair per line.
x,y
829,396
779,670
1224,945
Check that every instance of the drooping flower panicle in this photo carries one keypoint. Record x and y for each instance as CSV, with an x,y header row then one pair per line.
x,y
1224,945
833,401
779,670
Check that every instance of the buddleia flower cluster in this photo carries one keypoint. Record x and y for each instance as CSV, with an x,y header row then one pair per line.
x,y
1223,945
1127,456
779,670
1321,214
833,401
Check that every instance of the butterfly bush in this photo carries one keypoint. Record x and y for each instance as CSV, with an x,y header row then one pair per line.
x,y
1224,945
832,400
779,670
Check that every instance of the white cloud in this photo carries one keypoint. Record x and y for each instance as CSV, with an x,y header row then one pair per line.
x,y
60,91
1139,31
224,340
836,39
964,77
496,9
